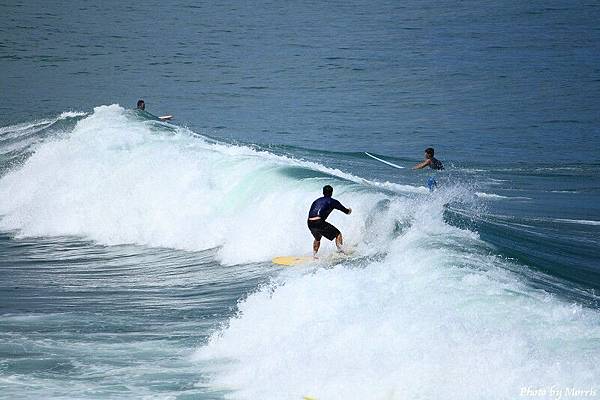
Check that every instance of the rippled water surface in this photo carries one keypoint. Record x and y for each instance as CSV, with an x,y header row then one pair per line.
x,y
135,254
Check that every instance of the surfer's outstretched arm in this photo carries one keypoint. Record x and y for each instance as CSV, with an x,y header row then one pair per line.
x,y
338,206
423,164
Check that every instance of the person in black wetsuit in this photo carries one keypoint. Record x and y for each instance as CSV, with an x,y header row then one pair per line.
x,y
433,163
319,211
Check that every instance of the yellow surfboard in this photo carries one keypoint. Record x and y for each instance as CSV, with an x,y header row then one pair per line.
x,y
333,258
289,261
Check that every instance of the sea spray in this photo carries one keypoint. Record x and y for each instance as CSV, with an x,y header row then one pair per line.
x,y
439,317
117,180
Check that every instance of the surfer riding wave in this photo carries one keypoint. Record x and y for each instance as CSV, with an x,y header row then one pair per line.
x,y
319,211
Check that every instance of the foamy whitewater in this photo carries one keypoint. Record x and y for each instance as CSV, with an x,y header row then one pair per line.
x,y
424,309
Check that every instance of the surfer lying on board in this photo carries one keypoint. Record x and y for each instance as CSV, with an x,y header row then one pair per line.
x,y
319,211
141,105
433,163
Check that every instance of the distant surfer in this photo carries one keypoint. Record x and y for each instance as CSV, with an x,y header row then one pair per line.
x,y
319,211
141,105
434,164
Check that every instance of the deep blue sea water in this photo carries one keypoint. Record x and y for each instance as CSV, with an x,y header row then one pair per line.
x,y
135,254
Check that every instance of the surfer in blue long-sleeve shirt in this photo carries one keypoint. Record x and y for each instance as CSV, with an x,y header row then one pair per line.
x,y
319,211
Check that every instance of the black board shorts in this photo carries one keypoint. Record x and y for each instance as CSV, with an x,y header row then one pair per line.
x,y
320,228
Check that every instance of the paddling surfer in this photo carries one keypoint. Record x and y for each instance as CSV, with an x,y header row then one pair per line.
x,y
141,105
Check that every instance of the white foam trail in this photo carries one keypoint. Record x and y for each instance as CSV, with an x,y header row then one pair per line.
x,y
578,221
23,136
71,114
473,170
27,126
490,195
435,319
24,126
493,196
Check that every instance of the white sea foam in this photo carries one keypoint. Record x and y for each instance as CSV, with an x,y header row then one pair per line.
x,y
23,127
115,180
23,136
71,114
578,221
494,196
28,126
490,195
434,319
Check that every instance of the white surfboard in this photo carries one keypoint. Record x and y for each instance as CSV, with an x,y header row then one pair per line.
x,y
383,161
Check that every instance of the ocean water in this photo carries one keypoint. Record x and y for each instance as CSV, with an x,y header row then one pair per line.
x,y
135,254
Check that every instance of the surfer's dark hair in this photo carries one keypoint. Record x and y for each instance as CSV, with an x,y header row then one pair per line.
x,y
429,151
141,103
327,191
